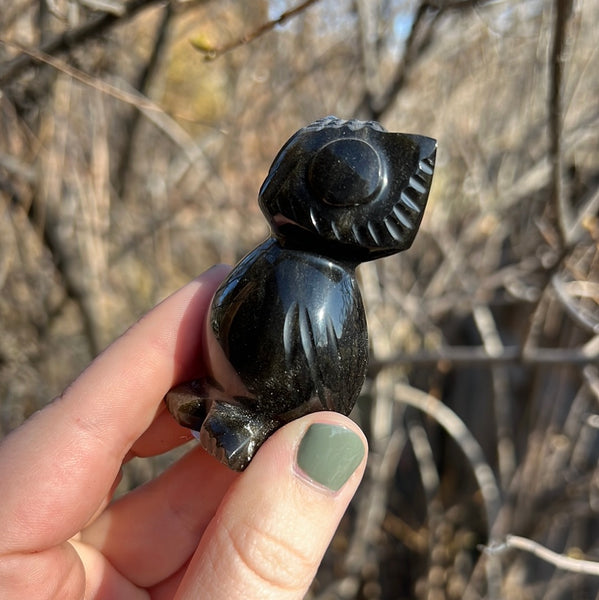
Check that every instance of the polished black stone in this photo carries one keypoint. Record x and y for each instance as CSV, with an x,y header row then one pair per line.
x,y
287,331
345,172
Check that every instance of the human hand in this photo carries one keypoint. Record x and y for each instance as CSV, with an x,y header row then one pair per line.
x,y
196,531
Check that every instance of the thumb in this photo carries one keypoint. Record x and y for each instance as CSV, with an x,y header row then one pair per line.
x,y
275,523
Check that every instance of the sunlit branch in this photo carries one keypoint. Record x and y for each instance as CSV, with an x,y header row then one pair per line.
x,y
211,53
566,563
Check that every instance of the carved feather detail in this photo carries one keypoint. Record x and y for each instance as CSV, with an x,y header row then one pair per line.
x,y
310,342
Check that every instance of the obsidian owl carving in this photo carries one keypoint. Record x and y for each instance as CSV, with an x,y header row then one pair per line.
x,y
287,332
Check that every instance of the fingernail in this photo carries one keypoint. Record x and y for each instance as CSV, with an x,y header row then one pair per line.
x,y
329,454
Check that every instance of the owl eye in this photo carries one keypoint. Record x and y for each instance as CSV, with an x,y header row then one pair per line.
x,y
345,172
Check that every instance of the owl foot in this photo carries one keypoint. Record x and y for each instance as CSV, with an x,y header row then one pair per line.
x,y
187,402
229,431
233,433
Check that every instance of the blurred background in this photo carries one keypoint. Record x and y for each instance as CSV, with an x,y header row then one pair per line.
x,y
134,136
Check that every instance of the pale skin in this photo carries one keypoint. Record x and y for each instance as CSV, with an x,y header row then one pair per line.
x,y
199,530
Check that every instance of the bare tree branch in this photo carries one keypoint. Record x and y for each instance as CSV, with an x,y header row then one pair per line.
x,y
456,428
145,78
114,7
63,263
562,289
506,452
563,9
367,14
211,53
152,111
478,355
566,563
424,20
71,39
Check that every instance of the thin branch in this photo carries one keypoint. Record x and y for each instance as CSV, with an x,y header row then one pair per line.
x,y
537,319
213,52
506,453
478,355
421,35
114,7
591,378
582,318
456,428
565,563
429,476
11,11
106,88
144,80
18,167
152,111
590,207
563,10
367,13
72,285
71,39
375,108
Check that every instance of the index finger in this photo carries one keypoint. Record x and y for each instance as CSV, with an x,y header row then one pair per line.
x,y
57,467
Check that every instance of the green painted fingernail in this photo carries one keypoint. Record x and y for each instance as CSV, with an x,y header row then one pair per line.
x,y
329,454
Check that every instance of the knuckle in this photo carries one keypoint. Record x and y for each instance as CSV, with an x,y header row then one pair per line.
x,y
274,561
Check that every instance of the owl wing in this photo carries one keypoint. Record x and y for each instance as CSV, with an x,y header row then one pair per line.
x,y
325,341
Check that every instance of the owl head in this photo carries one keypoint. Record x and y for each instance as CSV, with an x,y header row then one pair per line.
x,y
349,189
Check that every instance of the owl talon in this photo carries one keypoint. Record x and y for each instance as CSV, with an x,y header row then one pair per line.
x,y
227,430
233,434
187,403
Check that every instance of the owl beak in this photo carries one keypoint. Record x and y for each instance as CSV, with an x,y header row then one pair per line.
x,y
426,145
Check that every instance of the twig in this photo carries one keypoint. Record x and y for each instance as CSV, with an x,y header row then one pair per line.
x,y
563,9
72,285
456,428
368,48
144,80
211,53
152,111
589,207
429,477
98,84
591,377
478,355
536,322
71,39
375,108
566,563
425,459
17,167
489,333
114,7
562,289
